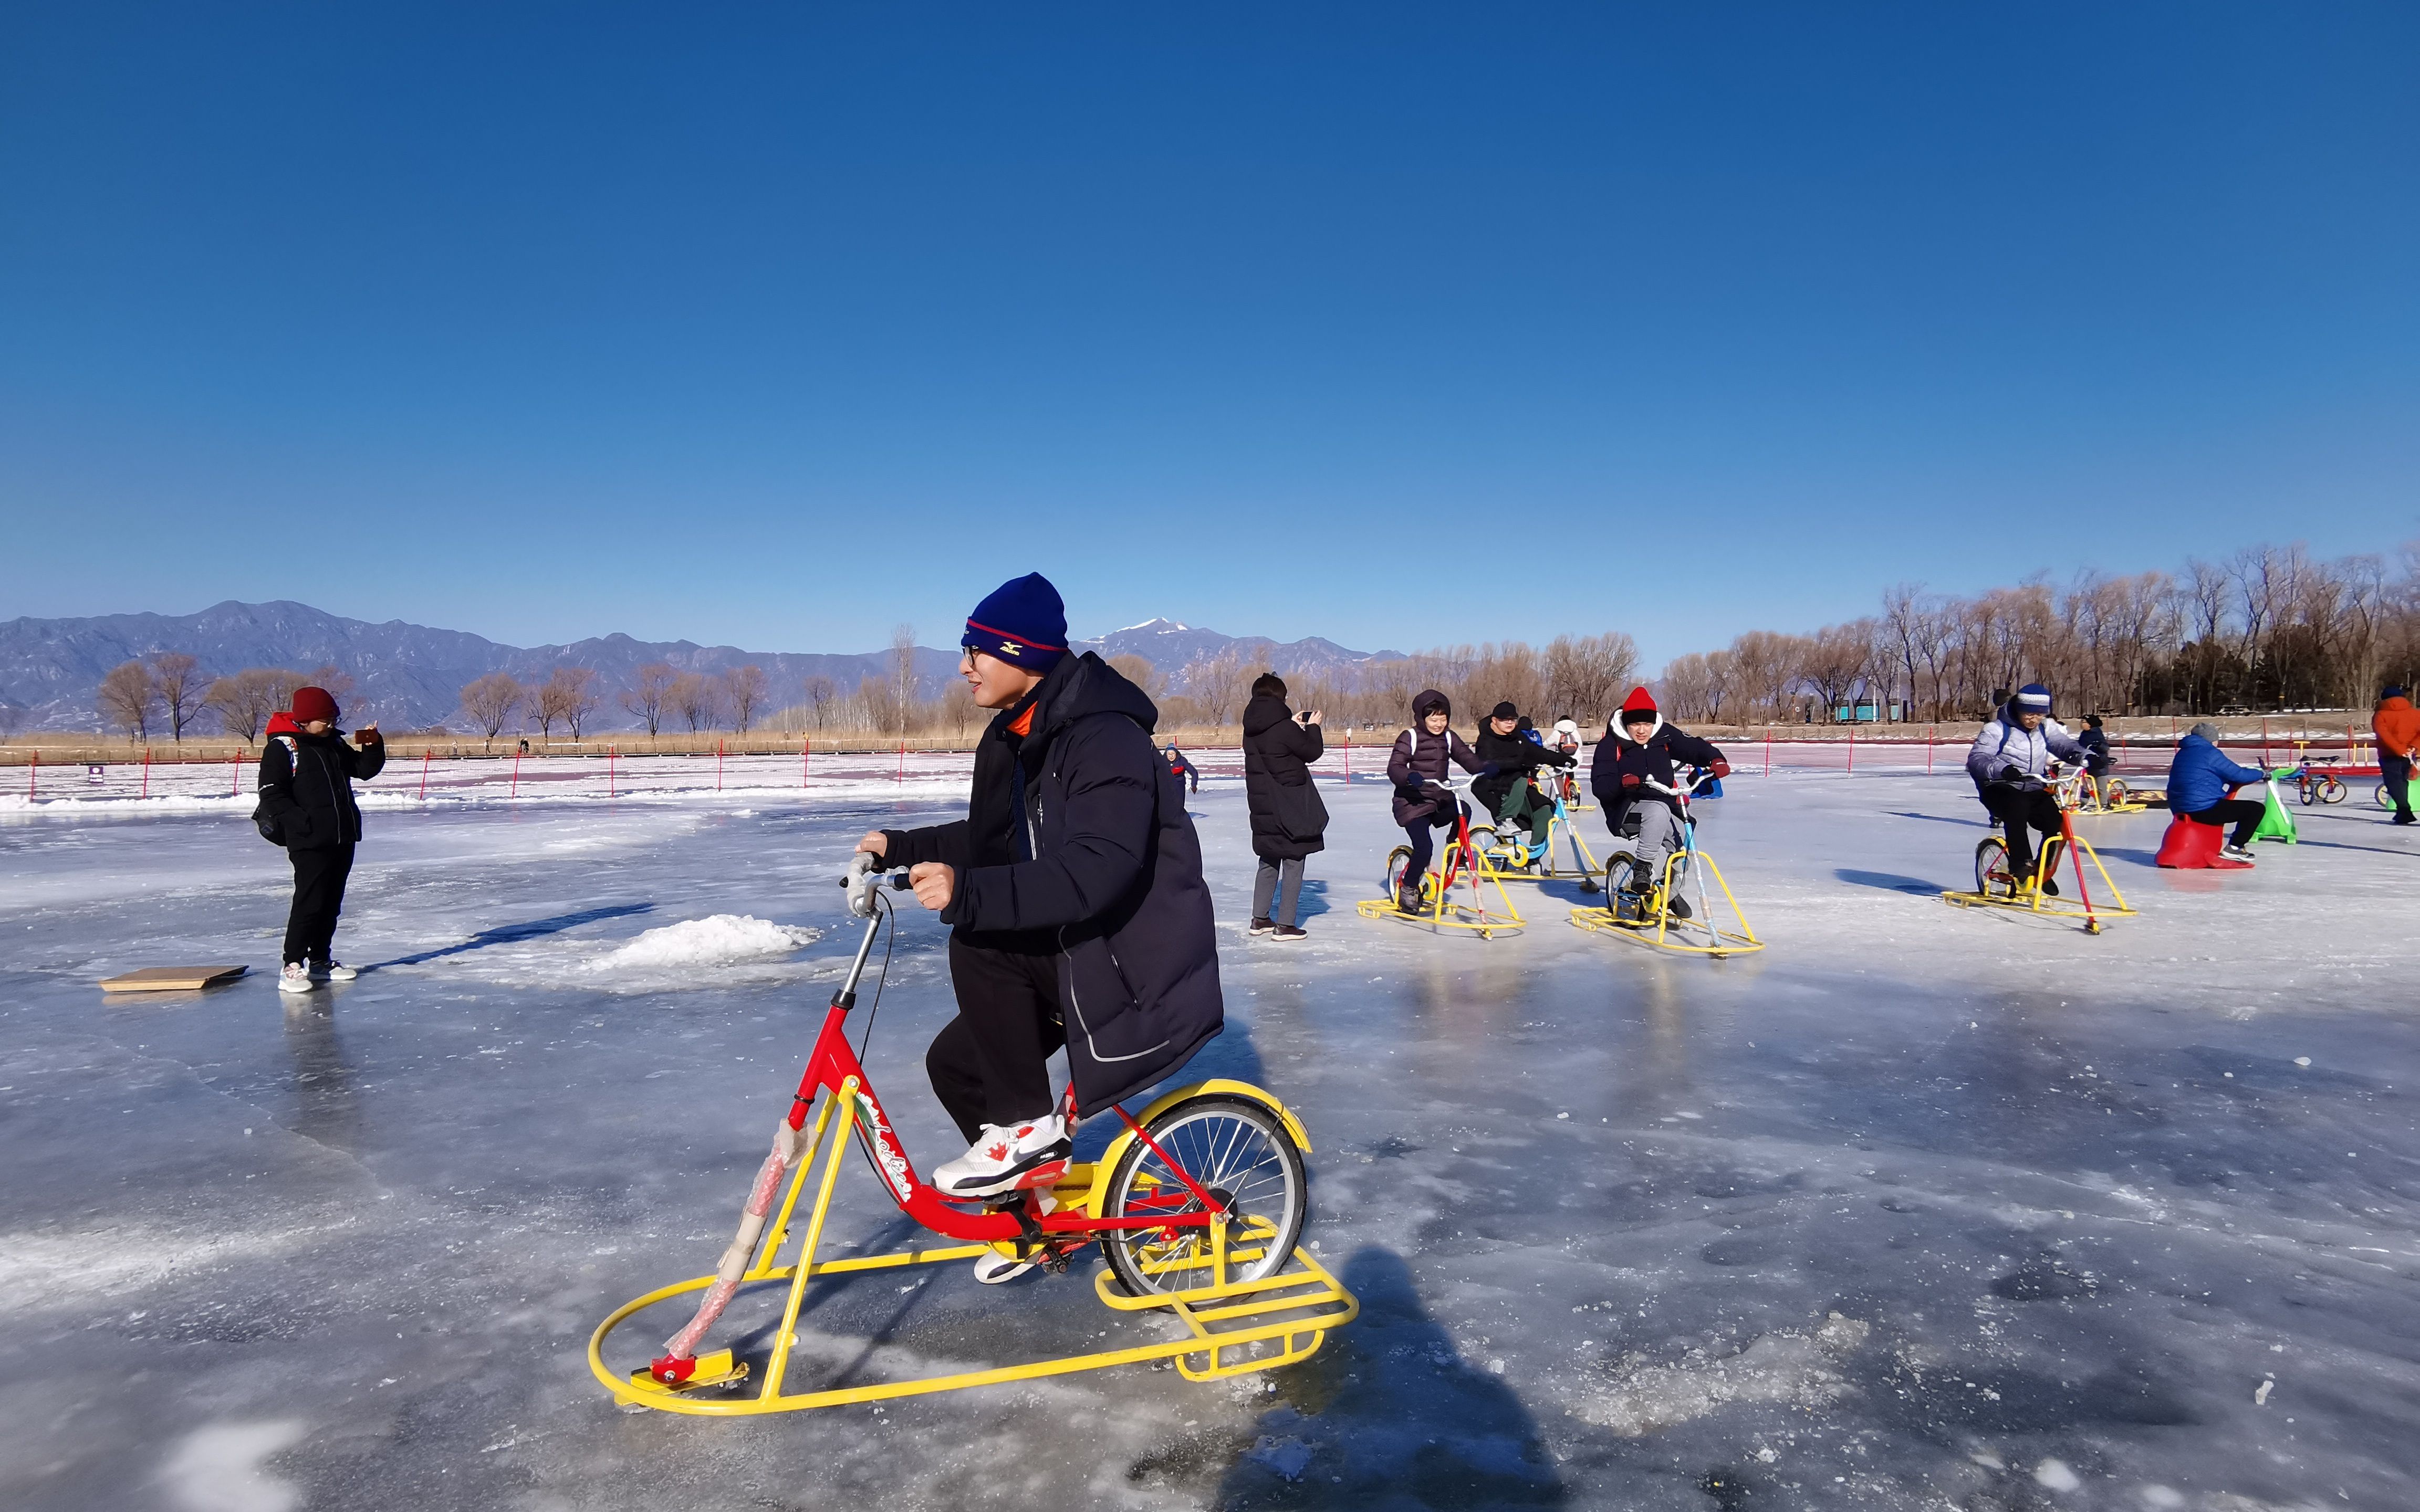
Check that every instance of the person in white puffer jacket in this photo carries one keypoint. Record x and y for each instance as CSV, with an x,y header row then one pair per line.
x,y
2010,764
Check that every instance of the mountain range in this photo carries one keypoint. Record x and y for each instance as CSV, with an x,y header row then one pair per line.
x,y
409,676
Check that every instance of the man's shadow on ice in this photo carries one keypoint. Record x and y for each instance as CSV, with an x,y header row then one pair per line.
x,y
1389,1411
507,934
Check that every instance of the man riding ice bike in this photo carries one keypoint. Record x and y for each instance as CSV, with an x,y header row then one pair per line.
x,y
1510,794
1074,892
2009,764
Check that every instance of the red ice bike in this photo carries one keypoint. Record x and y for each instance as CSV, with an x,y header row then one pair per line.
x,y
1197,1206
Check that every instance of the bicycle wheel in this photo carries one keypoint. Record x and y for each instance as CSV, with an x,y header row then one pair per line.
x,y
2386,800
1398,858
1482,840
1992,878
1238,1152
2330,791
2113,792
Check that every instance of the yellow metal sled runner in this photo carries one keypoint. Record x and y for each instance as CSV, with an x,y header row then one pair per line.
x,y
1653,922
1997,885
1233,1326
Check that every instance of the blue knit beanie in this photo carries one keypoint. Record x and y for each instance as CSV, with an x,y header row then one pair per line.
x,y
2032,699
1021,622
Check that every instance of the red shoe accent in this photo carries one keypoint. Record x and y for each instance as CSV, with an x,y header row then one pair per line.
x,y
2224,864
996,1152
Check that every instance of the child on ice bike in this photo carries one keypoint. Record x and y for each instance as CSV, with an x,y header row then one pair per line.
x,y
1073,888
1639,748
2009,762
1417,767
1510,794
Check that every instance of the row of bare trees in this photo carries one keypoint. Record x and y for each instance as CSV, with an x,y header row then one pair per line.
x,y
2269,628
164,694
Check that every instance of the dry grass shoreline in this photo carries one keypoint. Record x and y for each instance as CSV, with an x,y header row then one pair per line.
x,y
2322,731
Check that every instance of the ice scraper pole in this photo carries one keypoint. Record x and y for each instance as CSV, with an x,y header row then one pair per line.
x,y
680,1361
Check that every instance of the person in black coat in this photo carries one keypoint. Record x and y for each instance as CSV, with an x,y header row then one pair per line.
x,y
1074,892
1639,748
2097,760
307,773
1289,821
1510,795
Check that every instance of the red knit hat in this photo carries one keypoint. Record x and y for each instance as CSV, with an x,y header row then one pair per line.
x,y
314,703
1640,702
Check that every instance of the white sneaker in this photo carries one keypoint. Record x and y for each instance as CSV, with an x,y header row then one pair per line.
x,y
296,978
992,1267
2236,853
332,970
1033,1153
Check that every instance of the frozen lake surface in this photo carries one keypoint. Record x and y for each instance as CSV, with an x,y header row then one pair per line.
x,y
1920,1208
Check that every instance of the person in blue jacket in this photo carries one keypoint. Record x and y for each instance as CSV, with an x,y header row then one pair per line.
x,y
2199,780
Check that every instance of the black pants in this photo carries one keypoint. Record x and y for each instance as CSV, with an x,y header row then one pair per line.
x,y
1424,842
318,898
2020,811
2396,773
991,1064
2244,813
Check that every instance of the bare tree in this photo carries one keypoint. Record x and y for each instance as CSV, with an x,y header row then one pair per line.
x,y
743,693
245,702
329,675
819,693
696,699
181,691
567,697
649,699
902,673
490,702
1141,673
1216,683
128,699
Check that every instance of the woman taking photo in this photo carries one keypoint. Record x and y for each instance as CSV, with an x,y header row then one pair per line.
x,y
1288,822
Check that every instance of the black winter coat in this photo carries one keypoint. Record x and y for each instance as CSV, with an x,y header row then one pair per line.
x,y
1618,756
2096,752
1419,760
1289,821
1516,756
307,781
1101,863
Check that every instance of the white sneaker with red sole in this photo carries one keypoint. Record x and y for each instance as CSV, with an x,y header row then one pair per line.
x,y
1033,1153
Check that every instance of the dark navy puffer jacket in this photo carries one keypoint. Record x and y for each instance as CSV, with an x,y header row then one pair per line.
x,y
1102,862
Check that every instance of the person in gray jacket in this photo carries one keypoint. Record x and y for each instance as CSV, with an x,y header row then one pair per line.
x,y
2010,764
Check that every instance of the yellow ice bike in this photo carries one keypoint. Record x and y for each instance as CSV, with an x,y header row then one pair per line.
x,y
1196,1207
1648,915
2077,793
1461,861
1998,885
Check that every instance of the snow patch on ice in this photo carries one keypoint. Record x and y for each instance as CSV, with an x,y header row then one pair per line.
x,y
720,939
1795,1368
217,1469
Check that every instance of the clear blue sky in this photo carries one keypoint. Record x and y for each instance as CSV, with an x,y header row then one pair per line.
x,y
1394,324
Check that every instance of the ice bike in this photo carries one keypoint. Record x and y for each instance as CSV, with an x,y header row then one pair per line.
x,y
1197,1206
1648,915
1510,855
2077,793
1460,859
1997,885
